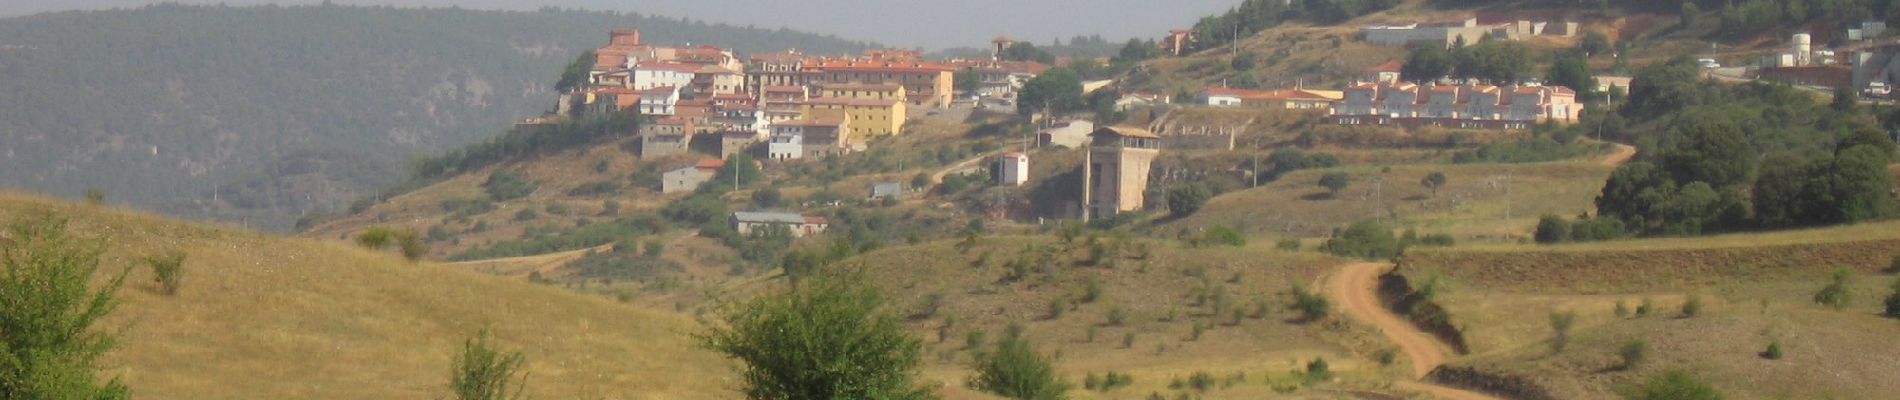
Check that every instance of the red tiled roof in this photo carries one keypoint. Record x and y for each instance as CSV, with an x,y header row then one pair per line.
x,y
710,163
660,90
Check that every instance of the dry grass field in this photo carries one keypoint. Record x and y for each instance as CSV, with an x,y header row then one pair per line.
x,y
1754,288
266,317
1480,203
1170,280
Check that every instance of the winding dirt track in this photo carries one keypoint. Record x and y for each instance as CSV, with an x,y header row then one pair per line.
x,y
1355,289
1622,155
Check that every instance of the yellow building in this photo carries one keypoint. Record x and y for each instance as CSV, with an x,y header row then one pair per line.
x,y
868,117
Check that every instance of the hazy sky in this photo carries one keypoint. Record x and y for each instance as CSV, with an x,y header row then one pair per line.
x,y
906,23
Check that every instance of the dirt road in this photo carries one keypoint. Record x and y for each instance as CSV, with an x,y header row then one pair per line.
x,y
937,177
1355,289
1622,155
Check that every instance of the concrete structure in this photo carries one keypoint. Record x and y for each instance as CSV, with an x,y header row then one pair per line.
x,y
1178,42
1469,106
1292,99
747,222
785,148
737,141
783,103
1070,134
659,101
1012,169
690,178
924,84
999,44
810,138
1384,73
887,189
666,137
781,69
1468,31
868,117
712,80
656,74
1115,179
611,99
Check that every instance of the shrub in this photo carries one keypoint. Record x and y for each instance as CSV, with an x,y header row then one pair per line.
x,y
1633,353
1335,182
1365,239
1774,350
1198,329
1674,385
653,249
526,214
1116,315
1893,301
95,197
1560,324
1128,340
1288,244
1317,370
47,311
1016,371
973,340
1835,295
1092,291
411,245
1692,306
1552,229
1622,309
828,337
1643,309
484,373
1186,199
1894,267
1386,356
1115,380
1312,306
1201,381
507,185
1057,306
168,270
376,238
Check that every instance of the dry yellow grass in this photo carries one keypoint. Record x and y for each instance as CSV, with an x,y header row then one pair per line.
x,y
1147,290
1479,203
267,317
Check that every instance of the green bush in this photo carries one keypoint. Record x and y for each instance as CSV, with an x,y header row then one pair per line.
x,y
1016,371
1366,239
1894,267
1836,294
1774,350
1221,235
1288,244
1633,353
1318,371
484,373
1128,340
47,312
507,185
1311,305
828,337
1335,182
1116,315
1552,229
168,271
1643,309
376,238
1560,324
1674,385
411,245
1092,290
1692,306
1893,301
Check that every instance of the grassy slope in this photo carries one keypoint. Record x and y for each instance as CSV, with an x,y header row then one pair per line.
x,y
1472,206
266,317
1755,287
1263,349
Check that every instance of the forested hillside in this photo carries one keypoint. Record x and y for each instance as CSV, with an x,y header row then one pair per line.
x,y
262,113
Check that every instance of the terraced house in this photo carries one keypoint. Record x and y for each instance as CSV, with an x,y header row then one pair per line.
x,y
1461,106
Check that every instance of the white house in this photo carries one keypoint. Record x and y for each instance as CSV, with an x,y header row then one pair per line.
x,y
654,74
1071,134
1012,169
785,147
691,177
745,222
659,100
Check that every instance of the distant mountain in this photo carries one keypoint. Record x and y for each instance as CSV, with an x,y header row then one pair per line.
x,y
259,114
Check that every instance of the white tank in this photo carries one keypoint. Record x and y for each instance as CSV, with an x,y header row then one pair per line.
x,y
1803,48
